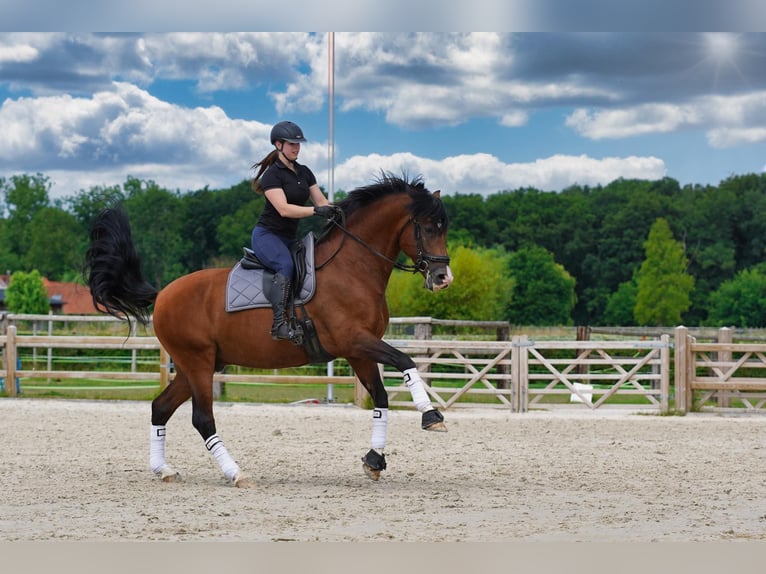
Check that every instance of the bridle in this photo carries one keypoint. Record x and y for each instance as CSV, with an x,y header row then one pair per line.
x,y
422,261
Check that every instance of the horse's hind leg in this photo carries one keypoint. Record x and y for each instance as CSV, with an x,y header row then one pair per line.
x,y
203,420
163,407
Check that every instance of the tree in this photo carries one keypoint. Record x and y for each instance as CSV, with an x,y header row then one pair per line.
x,y
741,301
543,292
203,212
26,293
56,244
25,195
155,225
85,205
664,286
620,305
234,231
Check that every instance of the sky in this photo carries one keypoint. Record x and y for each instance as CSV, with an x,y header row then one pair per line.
x,y
470,112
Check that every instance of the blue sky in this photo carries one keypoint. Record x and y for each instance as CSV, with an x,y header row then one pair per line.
x,y
470,112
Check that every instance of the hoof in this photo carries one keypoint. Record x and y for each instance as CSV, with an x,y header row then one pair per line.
x,y
167,474
374,474
242,481
433,420
175,477
374,462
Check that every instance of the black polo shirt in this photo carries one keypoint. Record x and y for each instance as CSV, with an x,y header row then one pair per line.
x,y
296,187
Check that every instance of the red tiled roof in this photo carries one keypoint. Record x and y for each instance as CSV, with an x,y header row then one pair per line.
x,y
76,297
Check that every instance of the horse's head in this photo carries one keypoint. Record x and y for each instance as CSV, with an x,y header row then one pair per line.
x,y
427,246
413,218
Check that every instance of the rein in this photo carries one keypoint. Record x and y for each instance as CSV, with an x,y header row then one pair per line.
x,y
421,262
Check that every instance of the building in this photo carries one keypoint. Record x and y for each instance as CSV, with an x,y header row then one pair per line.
x,y
64,298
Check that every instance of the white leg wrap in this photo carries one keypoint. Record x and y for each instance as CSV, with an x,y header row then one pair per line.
x,y
417,390
379,429
157,449
215,445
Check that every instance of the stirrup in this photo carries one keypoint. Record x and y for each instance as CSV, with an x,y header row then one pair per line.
x,y
291,333
281,332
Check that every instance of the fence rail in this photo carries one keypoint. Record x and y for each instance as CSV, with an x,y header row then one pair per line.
x,y
520,374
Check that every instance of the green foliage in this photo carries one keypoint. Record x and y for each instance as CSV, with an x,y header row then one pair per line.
x,y
741,301
24,196
87,204
234,230
56,245
620,305
26,293
664,286
543,292
155,219
596,234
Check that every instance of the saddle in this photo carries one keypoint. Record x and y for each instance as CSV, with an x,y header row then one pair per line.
x,y
245,290
245,285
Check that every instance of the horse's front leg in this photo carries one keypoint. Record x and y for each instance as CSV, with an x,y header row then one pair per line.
x,y
375,460
381,352
367,371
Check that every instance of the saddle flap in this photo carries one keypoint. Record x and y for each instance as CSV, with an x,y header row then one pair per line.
x,y
250,260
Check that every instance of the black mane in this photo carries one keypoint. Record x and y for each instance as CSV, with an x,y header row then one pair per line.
x,y
424,205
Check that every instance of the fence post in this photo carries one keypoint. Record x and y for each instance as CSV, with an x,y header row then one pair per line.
x,y
665,374
519,375
360,393
424,332
681,342
583,334
164,368
10,361
725,337
503,334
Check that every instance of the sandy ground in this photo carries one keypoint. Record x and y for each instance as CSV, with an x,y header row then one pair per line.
x,y
78,470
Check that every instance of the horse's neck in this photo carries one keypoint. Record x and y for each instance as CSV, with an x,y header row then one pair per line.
x,y
379,228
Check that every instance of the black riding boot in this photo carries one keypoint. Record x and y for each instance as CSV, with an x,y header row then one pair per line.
x,y
279,296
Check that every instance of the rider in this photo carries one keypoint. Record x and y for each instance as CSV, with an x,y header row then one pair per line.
x,y
287,185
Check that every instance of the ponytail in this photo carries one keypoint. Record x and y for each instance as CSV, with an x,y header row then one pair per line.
x,y
262,166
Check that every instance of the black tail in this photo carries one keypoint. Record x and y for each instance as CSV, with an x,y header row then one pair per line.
x,y
113,269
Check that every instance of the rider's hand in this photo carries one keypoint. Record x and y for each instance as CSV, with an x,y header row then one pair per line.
x,y
327,211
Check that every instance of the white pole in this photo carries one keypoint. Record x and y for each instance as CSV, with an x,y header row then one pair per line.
x,y
331,108
331,160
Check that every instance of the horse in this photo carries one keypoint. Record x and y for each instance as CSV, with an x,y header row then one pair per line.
x,y
355,255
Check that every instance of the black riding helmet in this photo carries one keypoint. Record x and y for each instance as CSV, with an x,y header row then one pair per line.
x,y
288,132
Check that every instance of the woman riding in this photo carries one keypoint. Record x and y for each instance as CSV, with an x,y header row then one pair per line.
x,y
287,185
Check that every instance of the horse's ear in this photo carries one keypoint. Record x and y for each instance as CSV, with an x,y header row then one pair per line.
x,y
437,193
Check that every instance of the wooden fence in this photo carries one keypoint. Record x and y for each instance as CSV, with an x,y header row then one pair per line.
x,y
521,374
723,371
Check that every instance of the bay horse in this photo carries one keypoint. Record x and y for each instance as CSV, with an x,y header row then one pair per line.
x,y
354,261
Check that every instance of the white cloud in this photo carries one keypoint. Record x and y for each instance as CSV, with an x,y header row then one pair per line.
x,y
18,53
728,120
639,120
84,142
485,174
125,130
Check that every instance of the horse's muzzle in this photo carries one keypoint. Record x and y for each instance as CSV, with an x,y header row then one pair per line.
x,y
438,279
